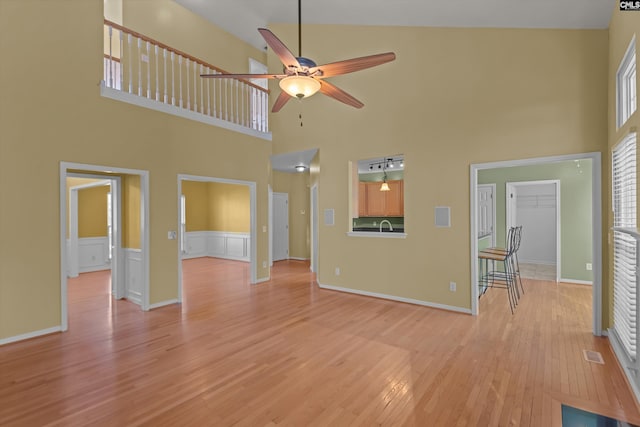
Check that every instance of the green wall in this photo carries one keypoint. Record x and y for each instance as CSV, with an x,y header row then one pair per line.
x,y
575,208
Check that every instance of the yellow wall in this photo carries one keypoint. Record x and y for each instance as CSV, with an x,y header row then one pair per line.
x,y
229,207
622,28
92,211
213,206
297,186
452,98
75,124
131,212
196,205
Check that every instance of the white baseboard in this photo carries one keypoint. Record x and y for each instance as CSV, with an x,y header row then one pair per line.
x,y
396,298
298,258
162,304
577,282
30,335
264,279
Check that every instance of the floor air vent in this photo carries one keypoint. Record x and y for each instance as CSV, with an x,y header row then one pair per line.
x,y
593,356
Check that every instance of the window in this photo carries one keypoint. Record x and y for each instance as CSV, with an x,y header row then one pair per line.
x,y
626,93
625,277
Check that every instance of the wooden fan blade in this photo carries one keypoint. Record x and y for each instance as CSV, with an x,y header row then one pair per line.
x,y
282,99
351,65
338,94
279,48
243,76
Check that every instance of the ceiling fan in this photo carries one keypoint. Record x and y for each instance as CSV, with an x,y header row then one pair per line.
x,y
302,77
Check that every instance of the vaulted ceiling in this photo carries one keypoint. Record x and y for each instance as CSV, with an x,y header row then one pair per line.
x,y
242,17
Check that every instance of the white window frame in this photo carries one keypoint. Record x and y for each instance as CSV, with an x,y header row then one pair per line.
x,y
626,85
624,334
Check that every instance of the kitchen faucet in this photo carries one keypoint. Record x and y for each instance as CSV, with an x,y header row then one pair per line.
x,y
387,221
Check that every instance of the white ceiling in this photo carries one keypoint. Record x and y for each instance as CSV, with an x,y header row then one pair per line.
x,y
242,18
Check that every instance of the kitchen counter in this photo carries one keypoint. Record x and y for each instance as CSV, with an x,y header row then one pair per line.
x,y
385,229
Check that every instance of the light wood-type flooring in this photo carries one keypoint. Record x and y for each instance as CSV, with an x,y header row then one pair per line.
x,y
287,353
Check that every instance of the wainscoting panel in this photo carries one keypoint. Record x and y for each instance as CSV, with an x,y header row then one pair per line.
x,y
195,244
133,275
93,254
217,244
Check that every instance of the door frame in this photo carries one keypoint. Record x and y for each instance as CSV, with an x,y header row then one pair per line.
x,y
596,215
509,214
314,228
274,195
115,187
88,170
253,231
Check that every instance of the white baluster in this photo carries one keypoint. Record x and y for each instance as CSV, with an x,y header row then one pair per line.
x,y
148,72
265,112
188,87
209,93
180,77
130,60
173,81
139,68
226,105
121,77
195,87
201,91
155,51
237,101
110,66
164,65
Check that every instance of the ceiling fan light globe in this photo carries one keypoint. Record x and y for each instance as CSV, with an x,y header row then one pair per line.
x,y
300,86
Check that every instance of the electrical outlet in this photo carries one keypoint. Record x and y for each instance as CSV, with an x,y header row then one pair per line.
x,y
264,264
589,266
337,271
452,286
172,235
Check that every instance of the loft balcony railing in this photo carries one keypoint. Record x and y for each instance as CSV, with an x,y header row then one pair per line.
x,y
146,72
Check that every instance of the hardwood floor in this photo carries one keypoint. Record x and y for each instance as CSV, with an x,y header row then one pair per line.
x,y
288,353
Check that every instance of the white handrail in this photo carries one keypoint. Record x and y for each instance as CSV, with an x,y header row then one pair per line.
x,y
243,103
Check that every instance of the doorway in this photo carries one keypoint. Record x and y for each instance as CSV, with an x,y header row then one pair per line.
x,y
280,247
535,205
127,267
591,208
203,242
94,241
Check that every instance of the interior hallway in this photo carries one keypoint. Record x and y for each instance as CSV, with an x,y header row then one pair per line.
x,y
286,352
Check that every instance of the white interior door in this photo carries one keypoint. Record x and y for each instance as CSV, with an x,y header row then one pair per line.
x,y
280,248
486,213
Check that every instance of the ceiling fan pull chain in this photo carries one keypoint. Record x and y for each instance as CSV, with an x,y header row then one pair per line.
x,y
300,117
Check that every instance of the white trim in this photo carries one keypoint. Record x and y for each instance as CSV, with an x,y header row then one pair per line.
x,y
266,279
30,335
270,226
596,214
163,304
253,227
152,104
381,235
577,282
313,209
295,258
395,298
